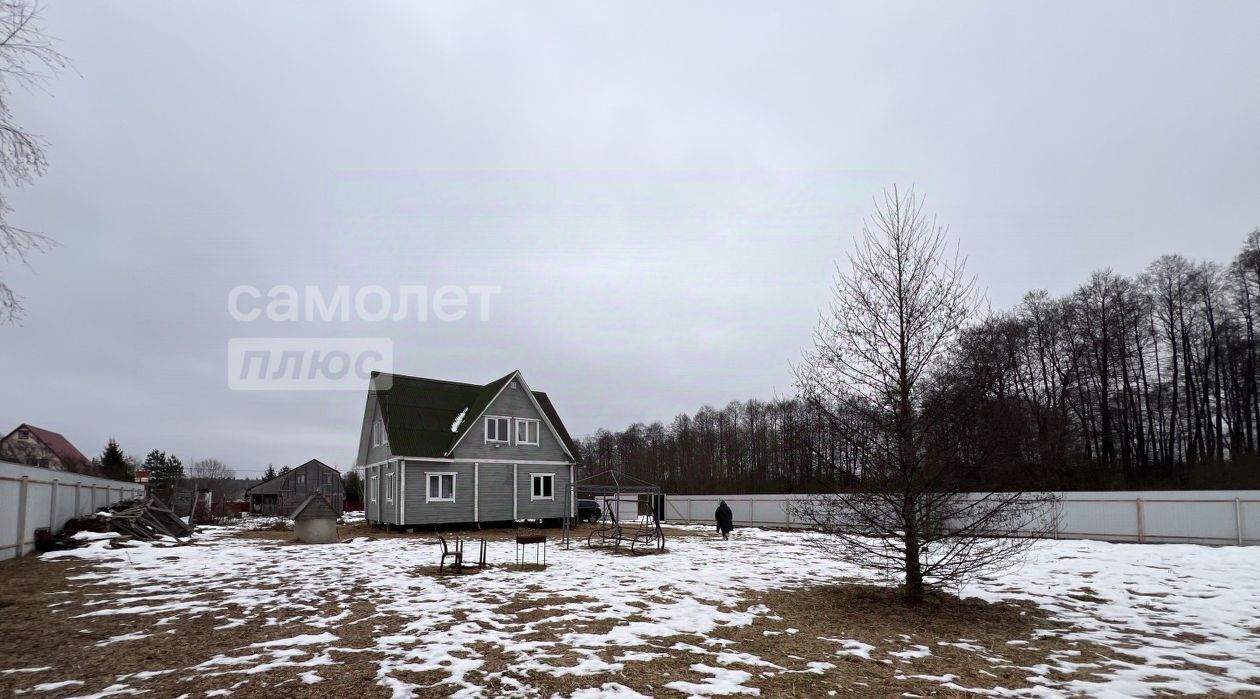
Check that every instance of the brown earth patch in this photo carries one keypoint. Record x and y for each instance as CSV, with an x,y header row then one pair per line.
x,y
38,602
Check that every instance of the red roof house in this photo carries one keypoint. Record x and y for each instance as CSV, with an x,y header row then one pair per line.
x,y
35,446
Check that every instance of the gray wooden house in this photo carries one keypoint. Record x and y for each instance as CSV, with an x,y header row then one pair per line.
x,y
280,495
442,452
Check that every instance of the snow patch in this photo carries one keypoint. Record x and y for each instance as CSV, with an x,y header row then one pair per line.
x,y
459,420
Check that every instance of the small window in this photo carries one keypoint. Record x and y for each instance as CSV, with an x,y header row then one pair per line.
x,y
441,487
301,480
24,434
372,490
527,431
542,486
497,430
379,436
389,487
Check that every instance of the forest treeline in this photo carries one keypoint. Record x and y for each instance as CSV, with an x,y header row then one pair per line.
x,y
1149,381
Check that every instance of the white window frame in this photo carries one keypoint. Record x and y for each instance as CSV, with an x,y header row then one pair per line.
x,y
507,438
527,421
379,436
534,478
389,487
372,487
428,485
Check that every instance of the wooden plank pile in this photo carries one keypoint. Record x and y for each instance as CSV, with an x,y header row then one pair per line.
x,y
146,519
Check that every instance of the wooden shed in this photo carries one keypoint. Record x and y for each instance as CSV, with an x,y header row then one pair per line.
x,y
315,520
281,494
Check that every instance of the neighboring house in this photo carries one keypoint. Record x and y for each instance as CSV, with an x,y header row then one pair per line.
x,y
280,495
34,446
439,452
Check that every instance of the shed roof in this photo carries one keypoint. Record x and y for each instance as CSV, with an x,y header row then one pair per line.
x,y
315,505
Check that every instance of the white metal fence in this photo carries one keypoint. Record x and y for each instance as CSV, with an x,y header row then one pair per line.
x,y
1181,516
32,498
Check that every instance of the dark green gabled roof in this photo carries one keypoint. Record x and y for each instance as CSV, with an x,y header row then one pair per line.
x,y
479,406
420,412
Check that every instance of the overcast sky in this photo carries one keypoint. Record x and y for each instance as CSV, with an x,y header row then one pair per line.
x,y
659,189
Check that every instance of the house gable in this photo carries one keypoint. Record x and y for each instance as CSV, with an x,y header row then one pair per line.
x,y
369,453
512,400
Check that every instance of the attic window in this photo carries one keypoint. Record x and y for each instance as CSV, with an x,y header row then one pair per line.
x,y
379,436
24,434
497,430
512,385
526,431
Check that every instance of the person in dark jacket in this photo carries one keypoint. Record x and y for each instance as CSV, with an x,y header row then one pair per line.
x,y
725,519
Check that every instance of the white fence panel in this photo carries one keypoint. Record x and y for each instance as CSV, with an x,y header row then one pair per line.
x,y
1099,518
1184,516
33,498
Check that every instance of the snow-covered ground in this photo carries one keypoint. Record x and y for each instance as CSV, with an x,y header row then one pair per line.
x,y
1181,618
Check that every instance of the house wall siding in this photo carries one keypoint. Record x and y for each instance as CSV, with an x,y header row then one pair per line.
x,y
495,490
373,454
388,504
512,402
421,512
372,493
540,509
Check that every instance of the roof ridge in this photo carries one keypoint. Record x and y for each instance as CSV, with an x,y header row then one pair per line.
x,y
423,378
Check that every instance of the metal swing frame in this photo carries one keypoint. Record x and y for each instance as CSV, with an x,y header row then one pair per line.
x,y
646,535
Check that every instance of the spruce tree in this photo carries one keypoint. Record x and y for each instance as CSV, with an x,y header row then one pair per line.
x,y
269,473
114,463
353,486
164,471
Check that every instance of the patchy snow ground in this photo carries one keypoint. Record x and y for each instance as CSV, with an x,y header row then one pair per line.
x,y
1186,617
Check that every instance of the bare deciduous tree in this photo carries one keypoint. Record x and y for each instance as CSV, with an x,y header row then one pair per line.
x,y
27,58
210,470
879,375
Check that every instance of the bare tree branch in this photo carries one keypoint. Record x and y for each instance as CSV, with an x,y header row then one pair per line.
x,y
27,60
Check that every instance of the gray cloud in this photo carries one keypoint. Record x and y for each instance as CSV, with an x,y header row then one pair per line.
x,y
660,191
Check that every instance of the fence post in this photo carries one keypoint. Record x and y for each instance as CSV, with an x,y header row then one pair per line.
x,y
52,508
1141,526
21,515
78,490
787,511
1238,519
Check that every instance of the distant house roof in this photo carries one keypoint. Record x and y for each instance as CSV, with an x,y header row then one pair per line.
x,y
315,505
422,413
274,485
59,445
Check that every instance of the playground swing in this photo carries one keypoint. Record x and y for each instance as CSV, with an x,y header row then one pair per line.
x,y
609,532
616,490
647,536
